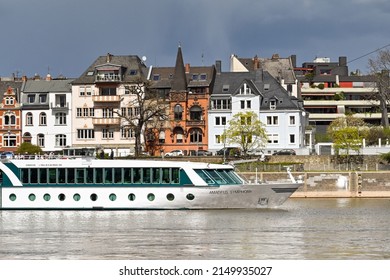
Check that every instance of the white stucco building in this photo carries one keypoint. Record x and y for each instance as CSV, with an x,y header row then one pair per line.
x,y
46,113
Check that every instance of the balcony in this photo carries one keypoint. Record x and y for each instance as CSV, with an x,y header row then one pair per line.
x,y
108,78
106,121
106,98
59,106
195,122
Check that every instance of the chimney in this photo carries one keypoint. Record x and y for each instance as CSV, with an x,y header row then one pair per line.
x,y
218,66
342,61
256,63
37,77
108,57
294,60
187,68
275,56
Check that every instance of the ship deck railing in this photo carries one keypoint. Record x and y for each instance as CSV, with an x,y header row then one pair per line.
x,y
42,157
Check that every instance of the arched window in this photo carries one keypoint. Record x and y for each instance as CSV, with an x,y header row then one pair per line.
x,y
161,137
41,140
9,119
42,119
29,119
27,137
196,135
195,113
178,133
60,119
178,112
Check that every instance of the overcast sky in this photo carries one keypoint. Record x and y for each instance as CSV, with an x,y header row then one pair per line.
x,y
65,37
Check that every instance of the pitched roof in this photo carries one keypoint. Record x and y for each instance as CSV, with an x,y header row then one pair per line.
x,y
132,68
179,82
43,86
227,83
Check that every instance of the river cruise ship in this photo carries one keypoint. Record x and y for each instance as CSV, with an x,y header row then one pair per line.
x,y
90,183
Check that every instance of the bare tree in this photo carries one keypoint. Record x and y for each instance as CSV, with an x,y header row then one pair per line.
x,y
146,107
380,68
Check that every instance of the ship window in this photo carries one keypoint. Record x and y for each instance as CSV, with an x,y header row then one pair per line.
x,y
107,175
190,196
118,175
31,197
127,175
61,175
165,176
156,175
99,175
131,197
204,176
94,197
43,175
137,175
112,197
12,197
151,197
70,175
215,176
175,176
24,175
61,197
234,176
76,197
53,175
46,197
146,175
170,197
80,175
34,176
89,175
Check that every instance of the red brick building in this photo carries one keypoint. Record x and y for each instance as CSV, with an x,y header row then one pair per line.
x,y
187,90
10,121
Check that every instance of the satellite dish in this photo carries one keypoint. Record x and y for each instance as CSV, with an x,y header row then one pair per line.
x,y
144,58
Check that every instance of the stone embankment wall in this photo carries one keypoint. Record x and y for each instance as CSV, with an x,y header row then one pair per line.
x,y
331,184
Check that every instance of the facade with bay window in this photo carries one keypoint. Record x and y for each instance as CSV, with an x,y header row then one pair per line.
x,y
46,113
103,97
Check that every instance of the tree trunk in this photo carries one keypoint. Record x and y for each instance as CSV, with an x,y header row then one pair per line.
x,y
385,116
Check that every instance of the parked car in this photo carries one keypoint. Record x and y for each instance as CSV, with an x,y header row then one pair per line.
x,y
284,152
203,153
175,153
229,151
5,155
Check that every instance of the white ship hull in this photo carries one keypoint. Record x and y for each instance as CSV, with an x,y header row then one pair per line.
x,y
25,184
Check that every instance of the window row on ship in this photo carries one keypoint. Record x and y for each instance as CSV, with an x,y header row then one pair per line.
x,y
100,175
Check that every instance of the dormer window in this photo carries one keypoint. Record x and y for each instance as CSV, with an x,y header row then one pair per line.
x,y
156,77
133,72
272,105
245,90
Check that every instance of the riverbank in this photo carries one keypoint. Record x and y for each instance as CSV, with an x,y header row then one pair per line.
x,y
331,184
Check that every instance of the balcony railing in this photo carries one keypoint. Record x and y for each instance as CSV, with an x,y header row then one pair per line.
x,y
106,98
59,106
108,78
106,121
196,123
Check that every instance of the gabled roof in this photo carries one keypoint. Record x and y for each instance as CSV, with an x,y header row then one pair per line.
x,y
15,85
227,84
127,63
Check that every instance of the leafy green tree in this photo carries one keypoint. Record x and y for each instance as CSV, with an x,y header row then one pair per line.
x,y
379,67
28,148
347,134
247,131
